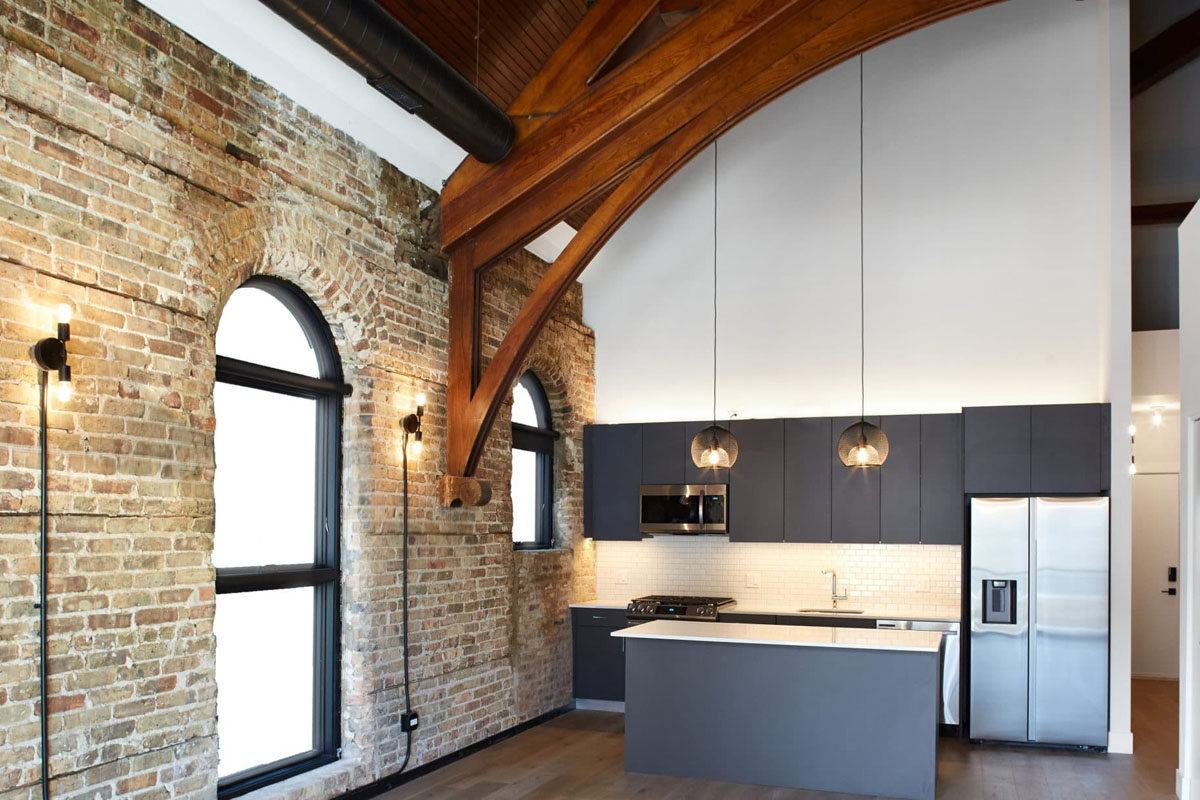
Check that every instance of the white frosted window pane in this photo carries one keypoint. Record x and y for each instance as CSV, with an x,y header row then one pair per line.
x,y
264,484
524,495
524,410
256,327
264,677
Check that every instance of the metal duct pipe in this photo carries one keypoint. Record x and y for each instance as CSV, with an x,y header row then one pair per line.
x,y
403,67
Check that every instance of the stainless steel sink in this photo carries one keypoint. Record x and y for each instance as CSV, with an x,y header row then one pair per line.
x,y
830,611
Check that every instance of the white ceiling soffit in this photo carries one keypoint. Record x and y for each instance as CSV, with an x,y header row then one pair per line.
x,y
552,242
252,36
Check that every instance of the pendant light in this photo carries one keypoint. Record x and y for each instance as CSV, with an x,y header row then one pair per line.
x,y
714,447
862,444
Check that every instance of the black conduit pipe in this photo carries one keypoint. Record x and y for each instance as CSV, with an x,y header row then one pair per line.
x,y
404,607
43,670
401,66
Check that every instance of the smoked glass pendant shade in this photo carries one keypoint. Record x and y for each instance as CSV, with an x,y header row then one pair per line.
x,y
714,448
860,445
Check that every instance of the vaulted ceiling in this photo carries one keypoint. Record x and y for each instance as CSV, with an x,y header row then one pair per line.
x,y
515,37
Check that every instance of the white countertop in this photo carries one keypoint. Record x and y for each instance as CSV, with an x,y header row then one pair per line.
x,y
786,635
794,611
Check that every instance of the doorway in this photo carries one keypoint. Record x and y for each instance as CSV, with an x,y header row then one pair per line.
x,y
1155,585
1155,576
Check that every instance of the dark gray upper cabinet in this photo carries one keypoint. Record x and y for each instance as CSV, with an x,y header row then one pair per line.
x,y
806,474
692,473
1065,448
1105,446
855,492
663,452
900,481
942,499
997,450
616,475
756,481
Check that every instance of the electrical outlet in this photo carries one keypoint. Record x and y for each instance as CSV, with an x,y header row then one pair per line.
x,y
409,720
753,579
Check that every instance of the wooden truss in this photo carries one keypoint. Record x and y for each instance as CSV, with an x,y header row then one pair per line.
x,y
637,89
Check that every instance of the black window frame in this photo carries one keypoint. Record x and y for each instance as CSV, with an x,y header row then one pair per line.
x,y
324,573
540,440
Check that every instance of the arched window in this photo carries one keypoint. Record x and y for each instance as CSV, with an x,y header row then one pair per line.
x,y
278,405
533,440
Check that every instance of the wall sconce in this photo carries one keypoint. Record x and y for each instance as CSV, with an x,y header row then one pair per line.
x,y
1132,442
50,354
1156,416
411,426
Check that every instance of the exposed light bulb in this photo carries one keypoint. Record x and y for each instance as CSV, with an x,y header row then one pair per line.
x,y
64,313
1132,468
1132,429
417,447
420,399
1156,417
63,391
714,456
862,455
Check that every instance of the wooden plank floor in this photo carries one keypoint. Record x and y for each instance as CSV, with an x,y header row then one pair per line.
x,y
581,755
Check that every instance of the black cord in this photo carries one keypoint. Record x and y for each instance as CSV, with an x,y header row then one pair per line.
x,y
42,633
714,414
404,599
862,284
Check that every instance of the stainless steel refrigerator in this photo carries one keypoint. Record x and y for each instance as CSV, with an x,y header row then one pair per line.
x,y
1039,620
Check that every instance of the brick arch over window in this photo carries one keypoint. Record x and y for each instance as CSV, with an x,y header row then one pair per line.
x,y
270,239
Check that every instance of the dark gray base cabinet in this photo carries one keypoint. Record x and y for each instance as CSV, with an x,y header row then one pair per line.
x,y
599,657
833,621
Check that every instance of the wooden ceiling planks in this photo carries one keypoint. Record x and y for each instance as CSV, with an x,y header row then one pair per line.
x,y
516,37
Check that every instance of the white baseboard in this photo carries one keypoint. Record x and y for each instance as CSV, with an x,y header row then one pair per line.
x,y
1120,742
1186,788
600,705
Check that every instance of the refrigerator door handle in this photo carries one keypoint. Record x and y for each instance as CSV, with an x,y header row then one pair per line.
x,y
1031,698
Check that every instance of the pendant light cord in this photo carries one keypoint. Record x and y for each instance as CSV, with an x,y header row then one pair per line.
x,y
862,285
714,414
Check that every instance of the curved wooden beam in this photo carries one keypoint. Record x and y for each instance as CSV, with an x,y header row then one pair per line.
x,y
660,135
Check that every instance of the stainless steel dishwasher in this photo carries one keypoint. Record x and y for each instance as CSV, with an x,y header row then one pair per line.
x,y
950,659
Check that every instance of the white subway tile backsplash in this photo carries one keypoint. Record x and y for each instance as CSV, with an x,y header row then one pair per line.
x,y
881,578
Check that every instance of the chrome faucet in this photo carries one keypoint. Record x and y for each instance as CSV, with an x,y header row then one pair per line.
x,y
834,595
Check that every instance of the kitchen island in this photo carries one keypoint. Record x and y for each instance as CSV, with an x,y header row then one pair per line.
x,y
831,709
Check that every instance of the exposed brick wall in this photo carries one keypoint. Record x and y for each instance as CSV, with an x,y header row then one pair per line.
x,y
142,179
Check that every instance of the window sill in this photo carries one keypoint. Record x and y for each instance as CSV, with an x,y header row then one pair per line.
x,y
333,780
534,550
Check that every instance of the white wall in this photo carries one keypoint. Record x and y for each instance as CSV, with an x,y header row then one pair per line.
x,y
1188,785
986,229
1156,368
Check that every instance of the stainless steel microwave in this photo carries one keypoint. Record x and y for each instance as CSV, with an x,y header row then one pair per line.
x,y
684,508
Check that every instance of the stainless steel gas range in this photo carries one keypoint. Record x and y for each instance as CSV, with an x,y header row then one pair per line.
x,y
659,606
